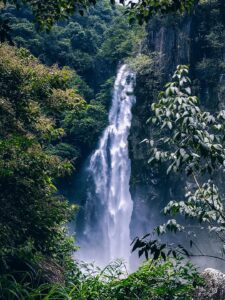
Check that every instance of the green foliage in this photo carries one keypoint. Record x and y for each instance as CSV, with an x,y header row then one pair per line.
x,y
144,10
159,281
141,64
5,30
86,48
46,13
105,95
35,150
85,123
191,141
204,204
121,38
52,128
194,137
83,43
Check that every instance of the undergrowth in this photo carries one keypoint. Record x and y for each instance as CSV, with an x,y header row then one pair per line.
x,y
173,279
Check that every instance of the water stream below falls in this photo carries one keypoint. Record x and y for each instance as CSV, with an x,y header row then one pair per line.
x,y
108,209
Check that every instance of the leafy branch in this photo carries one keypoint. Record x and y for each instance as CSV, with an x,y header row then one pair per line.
x,y
191,142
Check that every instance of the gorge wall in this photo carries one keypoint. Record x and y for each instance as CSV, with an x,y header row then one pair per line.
x,y
197,40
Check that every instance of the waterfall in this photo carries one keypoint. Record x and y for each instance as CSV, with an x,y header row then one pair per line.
x,y
108,209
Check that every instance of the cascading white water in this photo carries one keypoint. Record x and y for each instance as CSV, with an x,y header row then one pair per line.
x,y
109,205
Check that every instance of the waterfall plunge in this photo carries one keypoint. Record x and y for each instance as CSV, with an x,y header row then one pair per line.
x,y
109,205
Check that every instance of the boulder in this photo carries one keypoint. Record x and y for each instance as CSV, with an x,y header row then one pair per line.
x,y
214,287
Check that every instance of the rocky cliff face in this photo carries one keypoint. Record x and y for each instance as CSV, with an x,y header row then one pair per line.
x,y
199,41
171,39
168,43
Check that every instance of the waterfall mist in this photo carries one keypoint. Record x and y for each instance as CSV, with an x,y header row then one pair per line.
x,y
105,235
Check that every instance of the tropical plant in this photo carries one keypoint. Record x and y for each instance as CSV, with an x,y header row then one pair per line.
x,y
191,142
